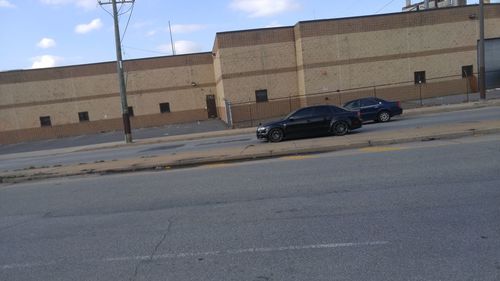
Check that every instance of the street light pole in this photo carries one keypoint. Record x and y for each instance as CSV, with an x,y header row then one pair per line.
x,y
119,67
482,68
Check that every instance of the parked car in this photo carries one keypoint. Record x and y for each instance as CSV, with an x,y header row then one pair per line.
x,y
375,109
311,121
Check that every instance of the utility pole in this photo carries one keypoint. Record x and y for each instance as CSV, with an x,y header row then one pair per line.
x,y
171,39
119,67
482,68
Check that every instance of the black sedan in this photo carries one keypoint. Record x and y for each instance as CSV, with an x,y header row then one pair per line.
x,y
311,121
375,109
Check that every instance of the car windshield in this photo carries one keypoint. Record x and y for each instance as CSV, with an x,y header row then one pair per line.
x,y
290,114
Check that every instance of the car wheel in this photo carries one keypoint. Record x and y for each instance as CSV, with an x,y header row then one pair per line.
x,y
340,128
275,135
383,116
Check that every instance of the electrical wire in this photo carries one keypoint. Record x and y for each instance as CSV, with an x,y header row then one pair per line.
x,y
131,7
128,21
120,8
106,10
144,50
385,6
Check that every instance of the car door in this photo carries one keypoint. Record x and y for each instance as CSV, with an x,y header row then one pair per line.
x,y
299,124
321,119
369,109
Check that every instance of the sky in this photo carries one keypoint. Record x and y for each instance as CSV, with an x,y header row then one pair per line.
x,y
50,33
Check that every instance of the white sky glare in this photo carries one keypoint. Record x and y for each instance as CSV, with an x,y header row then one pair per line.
x,y
6,4
264,8
48,33
86,4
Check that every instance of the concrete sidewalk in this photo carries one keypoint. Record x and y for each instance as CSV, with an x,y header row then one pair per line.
x,y
258,151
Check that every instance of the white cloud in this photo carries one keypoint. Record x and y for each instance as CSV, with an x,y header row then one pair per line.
x,y
6,4
85,28
186,47
181,47
86,4
46,43
264,8
186,28
45,61
166,48
151,33
142,24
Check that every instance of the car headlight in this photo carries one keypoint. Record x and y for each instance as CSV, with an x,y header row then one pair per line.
x,y
262,129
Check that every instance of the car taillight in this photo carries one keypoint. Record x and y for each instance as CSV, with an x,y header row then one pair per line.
x,y
398,103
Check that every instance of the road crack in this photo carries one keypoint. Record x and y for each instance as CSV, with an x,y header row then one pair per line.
x,y
169,226
153,253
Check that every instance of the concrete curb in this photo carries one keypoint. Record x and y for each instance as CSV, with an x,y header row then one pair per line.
x,y
228,158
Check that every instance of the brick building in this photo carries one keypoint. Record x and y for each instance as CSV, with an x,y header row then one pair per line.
x,y
253,75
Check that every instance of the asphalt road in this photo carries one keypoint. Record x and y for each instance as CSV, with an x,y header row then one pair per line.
x,y
13,161
423,211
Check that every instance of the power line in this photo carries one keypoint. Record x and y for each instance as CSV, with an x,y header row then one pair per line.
x,y
385,6
144,50
105,9
131,9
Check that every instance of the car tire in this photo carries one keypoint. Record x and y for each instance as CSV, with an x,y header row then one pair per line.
x,y
275,135
340,128
383,116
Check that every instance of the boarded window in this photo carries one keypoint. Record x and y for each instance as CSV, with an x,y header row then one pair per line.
x,y
261,96
83,116
165,107
45,121
419,77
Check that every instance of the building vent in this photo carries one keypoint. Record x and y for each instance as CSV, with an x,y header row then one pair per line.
x,y
433,4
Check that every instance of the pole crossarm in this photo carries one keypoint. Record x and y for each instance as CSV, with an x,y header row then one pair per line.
x,y
118,1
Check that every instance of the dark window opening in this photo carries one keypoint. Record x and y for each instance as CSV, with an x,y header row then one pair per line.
x,y
352,105
419,77
83,116
467,71
368,102
261,96
45,121
303,113
130,111
165,107
323,111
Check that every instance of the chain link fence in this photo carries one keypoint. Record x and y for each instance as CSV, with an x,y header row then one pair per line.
x,y
410,93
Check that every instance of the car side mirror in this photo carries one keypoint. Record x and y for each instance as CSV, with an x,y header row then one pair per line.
x,y
291,119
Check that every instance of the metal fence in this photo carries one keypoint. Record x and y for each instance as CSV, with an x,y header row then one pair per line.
x,y
250,113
